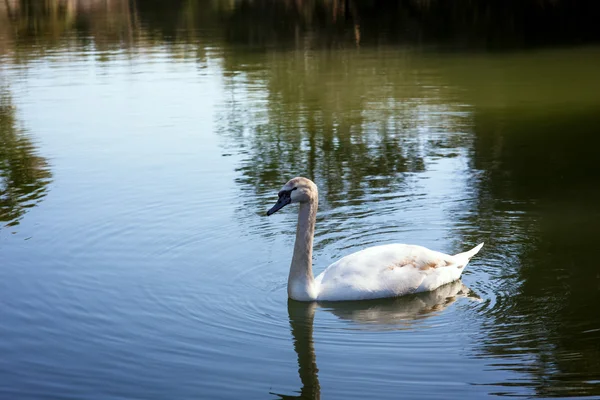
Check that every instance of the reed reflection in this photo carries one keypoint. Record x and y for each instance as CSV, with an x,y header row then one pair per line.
x,y
374,315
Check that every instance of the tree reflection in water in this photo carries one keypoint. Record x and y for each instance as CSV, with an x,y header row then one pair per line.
x,y
24,176
554,222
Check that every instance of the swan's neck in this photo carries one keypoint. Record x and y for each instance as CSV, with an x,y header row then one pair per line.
x,y
301,283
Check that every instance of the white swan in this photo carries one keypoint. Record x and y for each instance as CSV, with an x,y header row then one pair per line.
x,y
376,272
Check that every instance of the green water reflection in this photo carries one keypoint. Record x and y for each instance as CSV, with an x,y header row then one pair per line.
x,y
544,165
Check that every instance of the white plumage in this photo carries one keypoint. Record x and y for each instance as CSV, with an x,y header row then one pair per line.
x,y
376,272
389,271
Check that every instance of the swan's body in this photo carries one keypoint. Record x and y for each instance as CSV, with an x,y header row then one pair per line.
x,y
376,272
388,271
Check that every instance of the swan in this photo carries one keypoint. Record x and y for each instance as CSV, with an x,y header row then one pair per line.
x,y
389,270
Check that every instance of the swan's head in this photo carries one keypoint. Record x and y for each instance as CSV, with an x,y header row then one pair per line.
x,y
297,190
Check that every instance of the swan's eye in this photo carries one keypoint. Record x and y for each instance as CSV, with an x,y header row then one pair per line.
x,y
284,193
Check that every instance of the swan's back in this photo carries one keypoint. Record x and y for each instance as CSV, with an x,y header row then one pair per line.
x,y
389,271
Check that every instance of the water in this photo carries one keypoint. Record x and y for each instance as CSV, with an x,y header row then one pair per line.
x,y
142,144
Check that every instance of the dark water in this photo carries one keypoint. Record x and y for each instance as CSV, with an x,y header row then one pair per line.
x,y
142,142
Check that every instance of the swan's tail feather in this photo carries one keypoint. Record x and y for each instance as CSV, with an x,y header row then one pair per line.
x,y
470,253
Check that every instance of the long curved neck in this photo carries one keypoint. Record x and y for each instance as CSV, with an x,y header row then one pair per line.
x,y
301,281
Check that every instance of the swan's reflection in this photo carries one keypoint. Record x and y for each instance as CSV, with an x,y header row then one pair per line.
x,y
396,313
400,312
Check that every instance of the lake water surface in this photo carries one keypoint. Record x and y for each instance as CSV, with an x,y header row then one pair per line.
x,y
141,145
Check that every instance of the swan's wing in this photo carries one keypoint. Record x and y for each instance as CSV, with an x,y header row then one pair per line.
x,y
386,271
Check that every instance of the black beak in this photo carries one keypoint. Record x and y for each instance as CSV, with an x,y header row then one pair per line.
x,y
282,202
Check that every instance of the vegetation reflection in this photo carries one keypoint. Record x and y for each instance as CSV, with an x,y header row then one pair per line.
x,y
485,24
354,133
24,176
554,220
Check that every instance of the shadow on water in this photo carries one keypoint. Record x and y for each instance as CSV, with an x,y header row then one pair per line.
x,y
379,315
24,176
